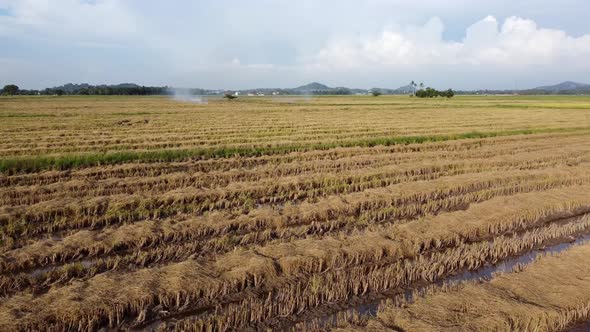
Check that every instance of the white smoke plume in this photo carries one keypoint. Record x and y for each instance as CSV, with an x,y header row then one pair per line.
x,y
186,96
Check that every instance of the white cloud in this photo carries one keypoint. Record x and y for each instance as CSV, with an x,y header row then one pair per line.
x,y
517,41
287,43
90,22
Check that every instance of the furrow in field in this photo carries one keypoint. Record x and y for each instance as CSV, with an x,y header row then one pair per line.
x,y
148,245
475,160
238,139
338,288
401,201
317,131
259,275
101,210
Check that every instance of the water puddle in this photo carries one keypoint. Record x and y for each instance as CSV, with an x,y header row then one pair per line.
x,y
39,272
369,309
582,327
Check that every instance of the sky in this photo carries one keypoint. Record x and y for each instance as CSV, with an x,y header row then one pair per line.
x,y
236,44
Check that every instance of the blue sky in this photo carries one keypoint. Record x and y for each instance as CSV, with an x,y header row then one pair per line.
x,y
279,43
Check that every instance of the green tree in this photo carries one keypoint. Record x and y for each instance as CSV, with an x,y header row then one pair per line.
x,y
10,90
376,93
59,92
421,94
433,93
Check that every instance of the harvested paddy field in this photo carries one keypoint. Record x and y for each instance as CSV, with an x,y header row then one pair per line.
x,y
353,213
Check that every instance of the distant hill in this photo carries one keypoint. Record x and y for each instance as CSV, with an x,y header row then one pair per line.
x,y
315,86
125,85
564,86
567,87
319,88
404,89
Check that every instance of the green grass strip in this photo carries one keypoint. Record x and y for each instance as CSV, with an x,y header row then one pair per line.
x,y
38,163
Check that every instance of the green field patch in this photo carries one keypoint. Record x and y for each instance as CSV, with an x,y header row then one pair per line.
x,y
28,115
38,163
134,113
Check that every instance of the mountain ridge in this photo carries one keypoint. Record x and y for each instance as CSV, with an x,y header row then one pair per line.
x,y
563,86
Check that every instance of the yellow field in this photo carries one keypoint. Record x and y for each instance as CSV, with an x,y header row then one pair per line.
x,y
286,213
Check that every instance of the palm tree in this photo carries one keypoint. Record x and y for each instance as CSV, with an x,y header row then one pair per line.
x,y
413,85
421,85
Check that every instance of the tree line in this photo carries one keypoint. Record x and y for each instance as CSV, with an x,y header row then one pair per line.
x,y
104,90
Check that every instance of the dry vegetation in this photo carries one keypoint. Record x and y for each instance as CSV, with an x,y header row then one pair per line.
x,y
264,213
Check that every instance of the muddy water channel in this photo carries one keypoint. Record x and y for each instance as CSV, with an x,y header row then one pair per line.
x,y
556,236
364,309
